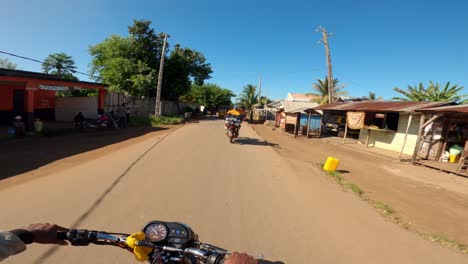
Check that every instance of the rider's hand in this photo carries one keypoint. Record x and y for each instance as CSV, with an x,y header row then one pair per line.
x,y
46,233
243,258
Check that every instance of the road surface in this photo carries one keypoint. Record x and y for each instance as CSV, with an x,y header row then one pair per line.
x,y
243,196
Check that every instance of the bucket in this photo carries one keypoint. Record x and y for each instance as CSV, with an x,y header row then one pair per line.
x,y
331,164
38,126
454,158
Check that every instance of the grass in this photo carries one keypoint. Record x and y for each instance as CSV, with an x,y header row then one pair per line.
x,y
337,176
383,208
356,189
447,242
154,121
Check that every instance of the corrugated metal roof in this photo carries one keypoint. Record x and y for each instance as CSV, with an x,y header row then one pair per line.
x,y
449,108
291,106
384,106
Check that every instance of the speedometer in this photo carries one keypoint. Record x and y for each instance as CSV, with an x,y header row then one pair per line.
x,y
155,231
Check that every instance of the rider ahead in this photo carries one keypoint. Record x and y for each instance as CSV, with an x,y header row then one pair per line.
x,y
233,118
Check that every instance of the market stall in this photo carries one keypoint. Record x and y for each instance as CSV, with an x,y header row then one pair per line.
x,y
443,139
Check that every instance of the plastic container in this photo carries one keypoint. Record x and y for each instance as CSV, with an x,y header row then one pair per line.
x,y
331,164
38,126
454,158
456,150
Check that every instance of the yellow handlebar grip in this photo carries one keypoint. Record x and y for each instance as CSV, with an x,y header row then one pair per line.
x,y
141,253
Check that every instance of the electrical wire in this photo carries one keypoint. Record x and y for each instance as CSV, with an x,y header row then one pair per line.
x,y
38,61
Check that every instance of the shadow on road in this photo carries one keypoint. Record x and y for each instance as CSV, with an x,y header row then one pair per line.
x,y
254,141
270,262
22,155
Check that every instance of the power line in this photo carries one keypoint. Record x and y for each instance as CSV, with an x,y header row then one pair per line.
x,y
38,61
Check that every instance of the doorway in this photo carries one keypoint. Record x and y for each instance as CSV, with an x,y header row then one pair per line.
x,y
18,103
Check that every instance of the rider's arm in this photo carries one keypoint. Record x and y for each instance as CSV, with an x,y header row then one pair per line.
x,y
243,258
10,244
14,241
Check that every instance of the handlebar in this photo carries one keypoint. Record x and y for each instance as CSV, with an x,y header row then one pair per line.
x,y
81,237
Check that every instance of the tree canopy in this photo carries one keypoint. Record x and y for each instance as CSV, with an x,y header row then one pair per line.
x,y
321,89
433,93
372,96
249,96
209,95
131,64
7,64
60,64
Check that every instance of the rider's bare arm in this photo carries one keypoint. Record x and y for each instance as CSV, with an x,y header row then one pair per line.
x,y
237,258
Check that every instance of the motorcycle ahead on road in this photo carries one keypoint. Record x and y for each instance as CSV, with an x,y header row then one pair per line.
x,y
158,242
232,125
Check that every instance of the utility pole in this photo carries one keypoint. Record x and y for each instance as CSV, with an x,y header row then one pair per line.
x,y
259,89
157,106
331,88
259,93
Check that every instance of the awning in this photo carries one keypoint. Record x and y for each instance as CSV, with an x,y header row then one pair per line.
x,y
58,88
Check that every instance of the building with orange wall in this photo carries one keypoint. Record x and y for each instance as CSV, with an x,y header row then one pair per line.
x,y
32,95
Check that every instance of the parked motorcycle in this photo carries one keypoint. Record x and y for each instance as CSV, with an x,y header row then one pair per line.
x,y
158,242
103,122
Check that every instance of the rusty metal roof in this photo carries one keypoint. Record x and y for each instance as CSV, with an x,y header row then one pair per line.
x,y
447,109
381,106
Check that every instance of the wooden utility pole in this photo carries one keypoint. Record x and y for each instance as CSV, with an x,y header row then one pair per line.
x,y
157,106
259,89
331,88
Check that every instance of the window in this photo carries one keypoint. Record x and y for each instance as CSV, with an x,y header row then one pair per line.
x,y
383,120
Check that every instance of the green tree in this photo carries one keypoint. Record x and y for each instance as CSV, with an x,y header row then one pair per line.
x,y
372,96
63,65
60,64
209,95
249,98
131,64
433,93
7,64
112,61
321,89
183,68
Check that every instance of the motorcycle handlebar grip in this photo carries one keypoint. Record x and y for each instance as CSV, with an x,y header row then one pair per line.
x,y
62,235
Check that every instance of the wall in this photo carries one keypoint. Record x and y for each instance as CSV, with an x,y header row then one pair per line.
x,y
394,140
67,107
144,106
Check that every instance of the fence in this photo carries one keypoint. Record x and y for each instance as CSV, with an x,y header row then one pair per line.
x,y
144,106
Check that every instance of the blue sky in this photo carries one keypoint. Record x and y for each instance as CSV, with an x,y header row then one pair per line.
x,y
376,45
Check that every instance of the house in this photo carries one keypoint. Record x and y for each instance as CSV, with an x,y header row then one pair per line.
x,y
287,115
443,128
33,95
387,125
296,97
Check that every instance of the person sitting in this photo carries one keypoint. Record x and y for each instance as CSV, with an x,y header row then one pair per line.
x,y
18,124
78,120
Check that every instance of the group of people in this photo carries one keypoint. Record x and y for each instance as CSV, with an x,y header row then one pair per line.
x,y
14,242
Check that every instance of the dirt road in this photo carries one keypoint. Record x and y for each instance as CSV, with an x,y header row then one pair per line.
x,y
240,196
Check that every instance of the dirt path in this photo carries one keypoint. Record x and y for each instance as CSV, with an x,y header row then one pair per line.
x,y
425,200
240,196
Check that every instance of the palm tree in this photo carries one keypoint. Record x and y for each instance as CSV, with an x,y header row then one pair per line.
x,y
321,88
248,98
372,96
433,93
